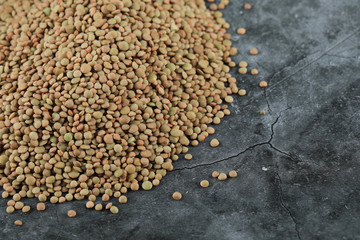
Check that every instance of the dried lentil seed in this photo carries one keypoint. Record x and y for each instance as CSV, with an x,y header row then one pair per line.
x,y
204,183
177,196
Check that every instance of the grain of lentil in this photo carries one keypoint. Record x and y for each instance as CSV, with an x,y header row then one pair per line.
x,y
204,183
177,196
222,177
233,174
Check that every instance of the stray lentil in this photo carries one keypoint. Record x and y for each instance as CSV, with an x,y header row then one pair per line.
x,y
71,213
214,142
114,210
232,174
215,174
18,223
242,92
222,177
241,31
242,70
204,183
40,206
254,51
263,84
177,196
247,6
254,71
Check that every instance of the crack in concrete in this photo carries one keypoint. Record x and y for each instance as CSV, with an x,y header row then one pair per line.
x,y
280,192
223,159
338,56
316,59
247,149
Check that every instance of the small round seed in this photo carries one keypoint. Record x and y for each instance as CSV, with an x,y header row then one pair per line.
x,y
204,183
114,210
254,51
243,70
215,174
26,209
18,223
147,185
222,176
10,209
98,207
122,199
214,142
90,204
242,92
262,112
247,6
188,156
243,64
41,206
229,99
177,196
71,213
263,84
254,71
232,174
241,31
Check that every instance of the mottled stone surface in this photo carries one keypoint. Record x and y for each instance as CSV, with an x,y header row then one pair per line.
x,y
298,164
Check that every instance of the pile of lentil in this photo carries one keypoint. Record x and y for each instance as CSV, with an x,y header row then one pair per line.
x,y
99,97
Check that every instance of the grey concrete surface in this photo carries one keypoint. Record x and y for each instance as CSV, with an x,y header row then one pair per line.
x,y
298,165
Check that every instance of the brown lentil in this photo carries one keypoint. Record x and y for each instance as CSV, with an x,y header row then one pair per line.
x,y
232,174
254,71
242,92
40,206
177,196
263,84
71,213
204,183
18,223
254,51
222,177
214,142
241,31
215,174
247,6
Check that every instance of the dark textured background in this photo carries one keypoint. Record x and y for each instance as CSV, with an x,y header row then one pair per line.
x,y
298,165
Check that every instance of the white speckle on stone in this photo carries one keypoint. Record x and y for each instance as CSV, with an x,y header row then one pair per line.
x,y
264,169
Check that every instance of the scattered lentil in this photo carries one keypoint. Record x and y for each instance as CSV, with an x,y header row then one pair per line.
x,y
263,84
241,31
254,71
204,183
254,51
247,6
214,142
242,92
18,223
243,64
71,213
215,174
242,70
232,174
222,177
177,196
114,210
40,206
